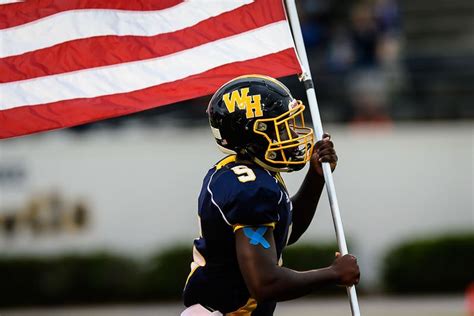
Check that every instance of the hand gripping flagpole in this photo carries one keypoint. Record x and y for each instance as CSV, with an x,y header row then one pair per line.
x,y
313,105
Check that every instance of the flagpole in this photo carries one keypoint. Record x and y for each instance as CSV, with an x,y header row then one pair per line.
x,y
318,127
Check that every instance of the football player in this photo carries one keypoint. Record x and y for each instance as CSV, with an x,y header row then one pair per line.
x,y
245,212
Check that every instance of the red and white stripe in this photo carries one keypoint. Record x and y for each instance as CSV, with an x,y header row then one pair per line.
x,y
63,63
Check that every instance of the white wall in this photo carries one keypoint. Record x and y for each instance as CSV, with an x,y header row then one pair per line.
x,y
142,185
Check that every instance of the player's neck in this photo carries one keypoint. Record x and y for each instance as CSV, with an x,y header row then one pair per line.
x,y
244,160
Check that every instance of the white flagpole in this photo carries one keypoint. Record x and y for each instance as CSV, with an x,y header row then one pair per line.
x,y
313,105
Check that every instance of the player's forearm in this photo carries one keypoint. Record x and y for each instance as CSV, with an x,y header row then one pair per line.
x,y
305,202
287,284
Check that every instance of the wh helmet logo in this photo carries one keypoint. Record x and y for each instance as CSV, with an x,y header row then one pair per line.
x,y
251,104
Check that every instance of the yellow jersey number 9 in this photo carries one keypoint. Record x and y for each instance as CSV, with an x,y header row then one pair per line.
x,y
244,173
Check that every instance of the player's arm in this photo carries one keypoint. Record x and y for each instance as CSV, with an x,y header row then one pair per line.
x,y
266,280
306,199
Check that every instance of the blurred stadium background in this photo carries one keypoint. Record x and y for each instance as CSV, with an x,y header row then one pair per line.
x,y
106,212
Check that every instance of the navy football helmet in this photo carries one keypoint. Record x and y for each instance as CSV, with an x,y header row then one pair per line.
x,y
256,117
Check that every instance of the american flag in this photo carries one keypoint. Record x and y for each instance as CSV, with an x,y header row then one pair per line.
x,y
68,62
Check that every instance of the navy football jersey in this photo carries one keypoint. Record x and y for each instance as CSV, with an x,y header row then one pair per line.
x,y
234,195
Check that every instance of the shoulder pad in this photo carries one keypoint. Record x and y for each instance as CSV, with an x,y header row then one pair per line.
x,y
246,194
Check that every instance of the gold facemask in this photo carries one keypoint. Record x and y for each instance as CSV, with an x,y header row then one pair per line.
x,y
290,142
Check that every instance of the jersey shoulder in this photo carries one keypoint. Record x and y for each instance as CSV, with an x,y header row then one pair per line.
x,y
241,180
247,194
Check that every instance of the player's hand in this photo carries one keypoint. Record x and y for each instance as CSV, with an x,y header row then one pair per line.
x,y
346,269
323,152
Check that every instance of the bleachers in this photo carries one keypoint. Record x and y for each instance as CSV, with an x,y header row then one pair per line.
x,y
439,56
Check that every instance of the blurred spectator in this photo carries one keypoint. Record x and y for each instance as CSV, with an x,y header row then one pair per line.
x,y
340,52
313,20
387,16
368,94
364,34
360,53
374,29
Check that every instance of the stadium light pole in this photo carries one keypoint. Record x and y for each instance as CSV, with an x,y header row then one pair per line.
x,y
318,127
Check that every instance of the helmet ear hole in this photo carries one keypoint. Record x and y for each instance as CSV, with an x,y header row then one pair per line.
x,y
272,155
245,153
262,127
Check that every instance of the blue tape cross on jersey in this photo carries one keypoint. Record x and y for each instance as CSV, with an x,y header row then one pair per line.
x,y
256,236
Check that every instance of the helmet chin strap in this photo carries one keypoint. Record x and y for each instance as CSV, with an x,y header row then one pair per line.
x,y
247,152
268,167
